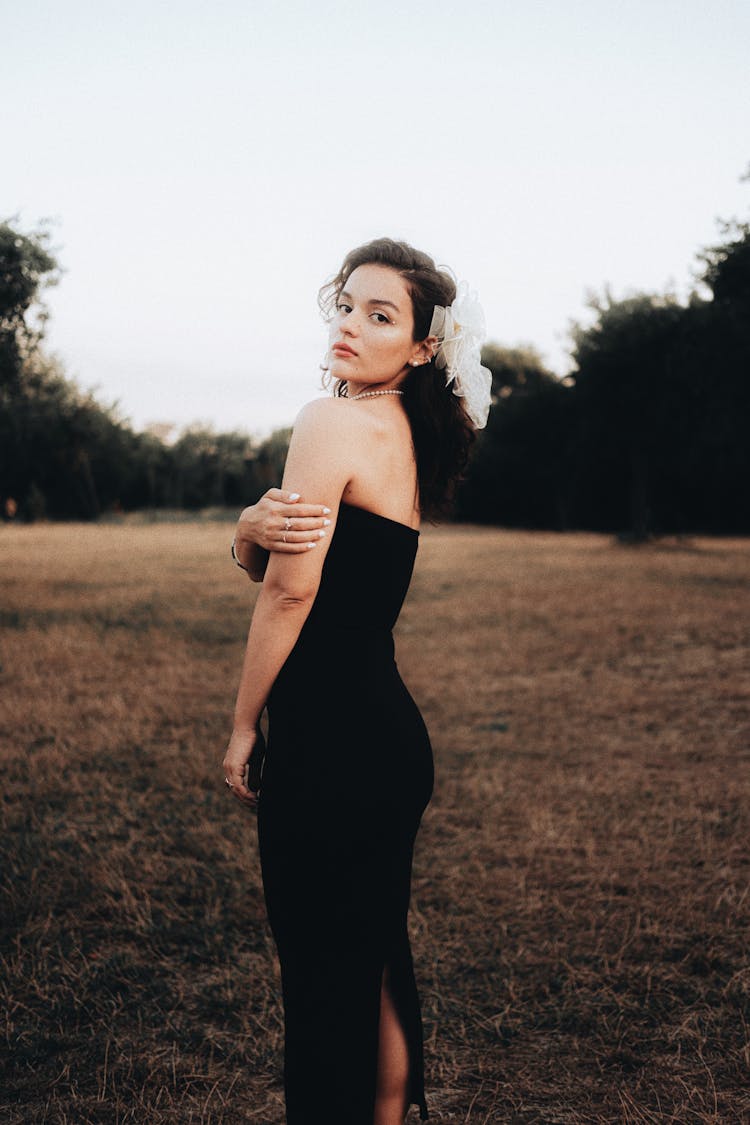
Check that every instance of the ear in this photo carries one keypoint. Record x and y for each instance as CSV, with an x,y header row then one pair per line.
x,y
424,351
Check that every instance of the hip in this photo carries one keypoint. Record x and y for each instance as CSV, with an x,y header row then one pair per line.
x,y
354,747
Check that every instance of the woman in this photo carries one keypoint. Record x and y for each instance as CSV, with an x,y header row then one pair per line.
x,y
339,808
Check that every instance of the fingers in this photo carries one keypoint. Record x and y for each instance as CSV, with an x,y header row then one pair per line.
x,y
303,511
296,541
294,535
301,523
246,797
279,494
235,778
278,522
290,500
291,531
282,548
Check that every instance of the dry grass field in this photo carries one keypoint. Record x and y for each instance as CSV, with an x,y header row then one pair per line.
x,y
581,915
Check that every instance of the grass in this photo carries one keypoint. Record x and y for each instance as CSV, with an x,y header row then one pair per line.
x,y
580,910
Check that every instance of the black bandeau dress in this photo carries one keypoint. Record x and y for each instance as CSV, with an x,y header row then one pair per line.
x,y
347,775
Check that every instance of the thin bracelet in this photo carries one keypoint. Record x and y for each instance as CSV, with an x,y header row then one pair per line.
x,y
234,556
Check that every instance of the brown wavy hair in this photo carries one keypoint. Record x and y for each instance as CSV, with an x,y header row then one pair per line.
x,y
441,430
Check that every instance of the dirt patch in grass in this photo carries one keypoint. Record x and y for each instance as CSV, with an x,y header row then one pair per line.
x,y
580,910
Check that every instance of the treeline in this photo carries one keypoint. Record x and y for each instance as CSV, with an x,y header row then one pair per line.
x,y
646,434
65,455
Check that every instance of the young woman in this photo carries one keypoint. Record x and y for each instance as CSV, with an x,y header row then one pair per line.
x,y
339,806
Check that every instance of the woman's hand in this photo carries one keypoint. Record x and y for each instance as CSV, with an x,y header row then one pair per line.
x,y
279,522
235,764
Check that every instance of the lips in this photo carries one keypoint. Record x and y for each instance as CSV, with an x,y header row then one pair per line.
x,y
343,350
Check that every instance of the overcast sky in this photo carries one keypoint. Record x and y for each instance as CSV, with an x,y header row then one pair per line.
x,y
208,165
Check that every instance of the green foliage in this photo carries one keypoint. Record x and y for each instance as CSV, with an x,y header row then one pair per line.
x,y
216,469
517,472
520,370
63,454
647,434
26,266
632,406
727,266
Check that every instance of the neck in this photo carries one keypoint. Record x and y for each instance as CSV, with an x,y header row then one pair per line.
x,y
391,392
357,388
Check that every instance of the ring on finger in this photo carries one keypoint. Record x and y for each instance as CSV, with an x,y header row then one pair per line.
x,y
283,538
288,524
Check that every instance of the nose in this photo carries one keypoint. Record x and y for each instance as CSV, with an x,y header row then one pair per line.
x,y
349,324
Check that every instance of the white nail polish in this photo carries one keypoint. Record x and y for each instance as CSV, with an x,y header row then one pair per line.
x,y
321,533
326,523
294,495
326,511
312,544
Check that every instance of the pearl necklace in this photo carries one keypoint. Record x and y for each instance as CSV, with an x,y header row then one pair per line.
x,y
374,394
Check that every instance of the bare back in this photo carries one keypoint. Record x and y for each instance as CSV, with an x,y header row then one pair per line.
x,y
384,478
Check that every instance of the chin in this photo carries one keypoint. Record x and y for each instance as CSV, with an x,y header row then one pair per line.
x,y
339,369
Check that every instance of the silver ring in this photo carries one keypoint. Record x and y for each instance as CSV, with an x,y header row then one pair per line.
x,y
288,524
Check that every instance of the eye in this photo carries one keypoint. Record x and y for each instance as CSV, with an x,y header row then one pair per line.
x,y
382,318
343,307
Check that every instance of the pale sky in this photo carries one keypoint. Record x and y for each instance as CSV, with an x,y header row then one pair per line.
x,y
208,165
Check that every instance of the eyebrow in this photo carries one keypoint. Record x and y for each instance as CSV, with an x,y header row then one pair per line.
x,y
374,301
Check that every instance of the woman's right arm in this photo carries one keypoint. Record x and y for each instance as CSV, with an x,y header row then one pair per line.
x,y
324,453
278,522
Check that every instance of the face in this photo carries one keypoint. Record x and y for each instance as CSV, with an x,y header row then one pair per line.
x,y
372,328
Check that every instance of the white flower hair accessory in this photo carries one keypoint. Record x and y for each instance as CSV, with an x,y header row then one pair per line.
x,y
460,329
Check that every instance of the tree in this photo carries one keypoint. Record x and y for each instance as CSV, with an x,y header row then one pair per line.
x,y
723,353
211,468
517,475
26,267
631,409
661,404
61,452
26,264
726,267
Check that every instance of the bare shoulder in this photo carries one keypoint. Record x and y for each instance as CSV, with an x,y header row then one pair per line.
x,y
326,409
326,437
323,454
331,416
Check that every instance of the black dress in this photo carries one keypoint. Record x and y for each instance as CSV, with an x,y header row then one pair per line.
x,y
347,775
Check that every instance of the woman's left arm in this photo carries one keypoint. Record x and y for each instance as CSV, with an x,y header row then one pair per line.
x,y
320,462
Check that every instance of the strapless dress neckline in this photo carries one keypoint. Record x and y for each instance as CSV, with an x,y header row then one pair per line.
x,y
377,516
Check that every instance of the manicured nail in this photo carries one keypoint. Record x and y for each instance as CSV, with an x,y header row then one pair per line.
x,y
321,533
294,495
312,544
326,523
326,511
